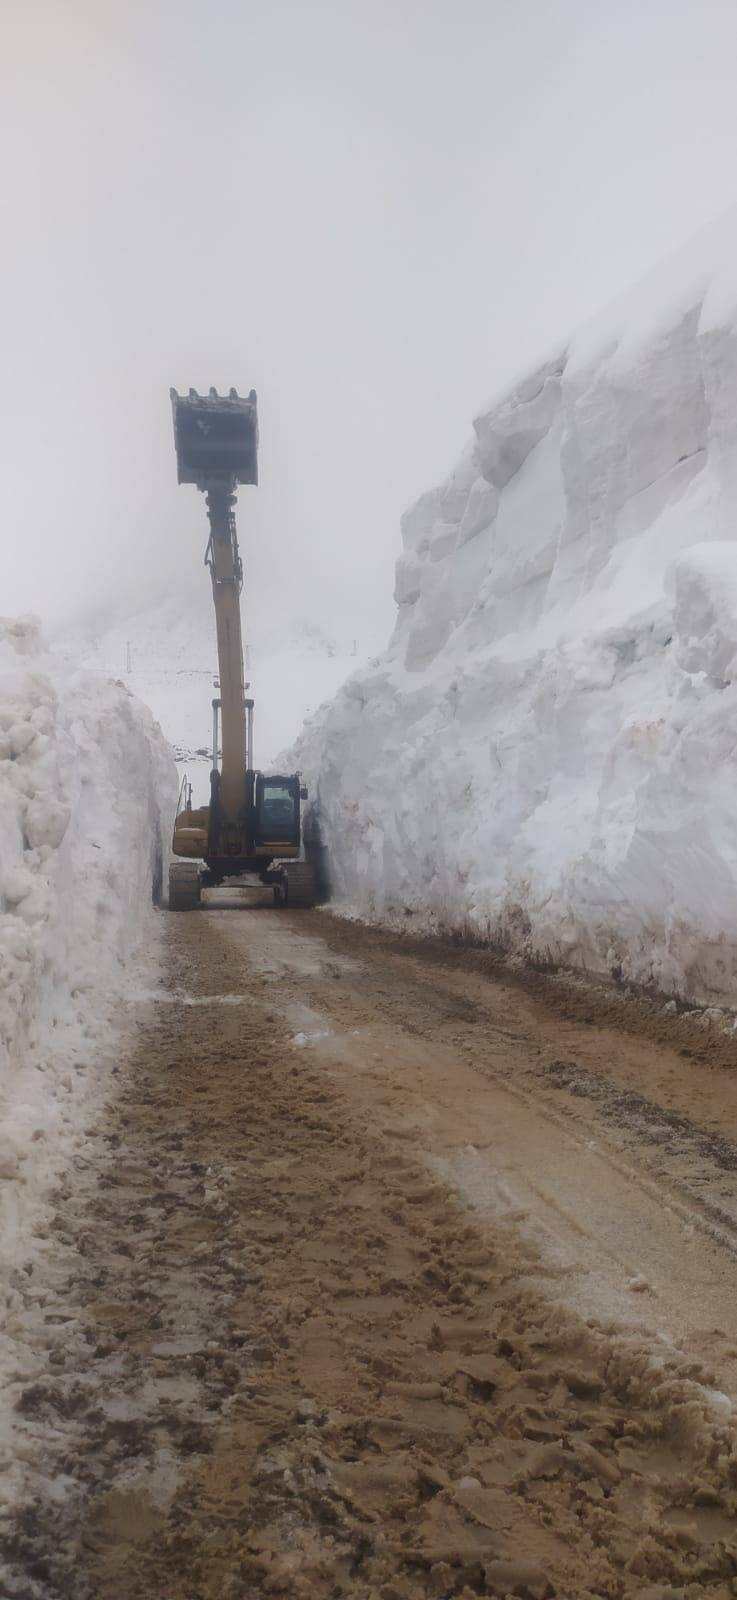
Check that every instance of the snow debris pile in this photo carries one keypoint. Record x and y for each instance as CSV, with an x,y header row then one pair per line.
x,y
546,754
87,788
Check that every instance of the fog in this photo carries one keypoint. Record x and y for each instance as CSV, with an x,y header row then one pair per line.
x,y
373,213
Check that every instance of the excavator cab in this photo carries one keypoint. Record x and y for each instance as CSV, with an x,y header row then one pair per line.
x,y
276,816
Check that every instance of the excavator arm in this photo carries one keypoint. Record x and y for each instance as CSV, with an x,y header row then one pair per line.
x,y
216,441
226,573
252,824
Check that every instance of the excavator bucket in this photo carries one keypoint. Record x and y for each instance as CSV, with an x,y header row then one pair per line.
x,y
216,437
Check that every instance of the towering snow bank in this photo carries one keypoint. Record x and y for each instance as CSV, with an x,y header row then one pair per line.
x,y
87,795
87,791
547,752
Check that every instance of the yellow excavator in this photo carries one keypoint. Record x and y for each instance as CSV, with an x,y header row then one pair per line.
x,y
252,826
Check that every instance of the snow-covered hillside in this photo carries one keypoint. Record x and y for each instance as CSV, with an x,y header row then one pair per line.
x,y
166,655
547,752
87,791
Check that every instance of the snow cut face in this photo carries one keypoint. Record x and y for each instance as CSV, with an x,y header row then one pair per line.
x,y
545,754
87,792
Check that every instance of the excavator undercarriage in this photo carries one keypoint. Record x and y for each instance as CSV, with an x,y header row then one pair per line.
x,y
252,826
185,886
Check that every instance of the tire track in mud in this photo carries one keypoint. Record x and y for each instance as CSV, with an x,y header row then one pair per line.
x,y
298,1365
429,985
571,997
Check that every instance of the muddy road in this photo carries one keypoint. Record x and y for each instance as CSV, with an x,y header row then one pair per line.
x,y
387,1274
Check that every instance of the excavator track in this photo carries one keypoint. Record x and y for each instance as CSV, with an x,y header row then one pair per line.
x,y
185,886
299,890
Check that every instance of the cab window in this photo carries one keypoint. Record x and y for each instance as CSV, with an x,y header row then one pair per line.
x,y
277,811
277,803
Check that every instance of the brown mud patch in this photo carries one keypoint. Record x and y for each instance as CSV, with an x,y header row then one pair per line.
x,y
303,1366
570,996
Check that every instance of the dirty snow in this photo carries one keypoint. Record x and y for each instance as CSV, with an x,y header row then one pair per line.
x,y
87,788
546,753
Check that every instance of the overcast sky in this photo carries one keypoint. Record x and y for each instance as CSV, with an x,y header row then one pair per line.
x,y
372,211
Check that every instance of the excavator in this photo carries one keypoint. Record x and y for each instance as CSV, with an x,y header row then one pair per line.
x,y
252,827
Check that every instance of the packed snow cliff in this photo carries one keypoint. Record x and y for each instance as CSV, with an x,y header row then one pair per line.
x,y
87,794
546,755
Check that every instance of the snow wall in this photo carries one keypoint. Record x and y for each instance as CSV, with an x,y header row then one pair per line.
x,y
546,755
87,796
